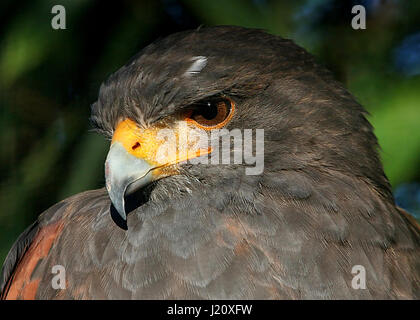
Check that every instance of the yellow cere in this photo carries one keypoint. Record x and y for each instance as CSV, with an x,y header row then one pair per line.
x,y
161,145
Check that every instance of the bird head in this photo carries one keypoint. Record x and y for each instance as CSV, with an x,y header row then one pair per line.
x,y
195,83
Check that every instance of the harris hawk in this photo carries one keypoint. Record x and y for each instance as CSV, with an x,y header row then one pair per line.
x,y
169,228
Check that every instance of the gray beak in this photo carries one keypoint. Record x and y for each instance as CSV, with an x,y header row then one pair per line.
x,y
124,174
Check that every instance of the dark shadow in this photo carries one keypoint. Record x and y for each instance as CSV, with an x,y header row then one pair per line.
x,y
117,218
132,202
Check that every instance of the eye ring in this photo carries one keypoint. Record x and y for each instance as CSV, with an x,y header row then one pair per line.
x,y
221,113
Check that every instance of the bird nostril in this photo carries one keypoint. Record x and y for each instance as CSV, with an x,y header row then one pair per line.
x,y
136,145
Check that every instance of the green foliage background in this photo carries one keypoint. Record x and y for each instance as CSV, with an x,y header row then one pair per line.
x,y
49,78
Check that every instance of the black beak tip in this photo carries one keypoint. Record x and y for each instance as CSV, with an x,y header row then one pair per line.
x,y
118,219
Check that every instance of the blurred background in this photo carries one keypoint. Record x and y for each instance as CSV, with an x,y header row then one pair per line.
x,y
49,78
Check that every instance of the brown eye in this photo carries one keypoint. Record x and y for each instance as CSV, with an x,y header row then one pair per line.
x,y
212,114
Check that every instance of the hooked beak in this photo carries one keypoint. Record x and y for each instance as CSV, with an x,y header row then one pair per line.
x,y
124,174
135,159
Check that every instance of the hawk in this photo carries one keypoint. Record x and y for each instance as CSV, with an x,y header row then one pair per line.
x,y
169,227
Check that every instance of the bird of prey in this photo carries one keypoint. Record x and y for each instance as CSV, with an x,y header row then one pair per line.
x,y
318,222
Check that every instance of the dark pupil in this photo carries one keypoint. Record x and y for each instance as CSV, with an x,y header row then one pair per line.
x,y
209,112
